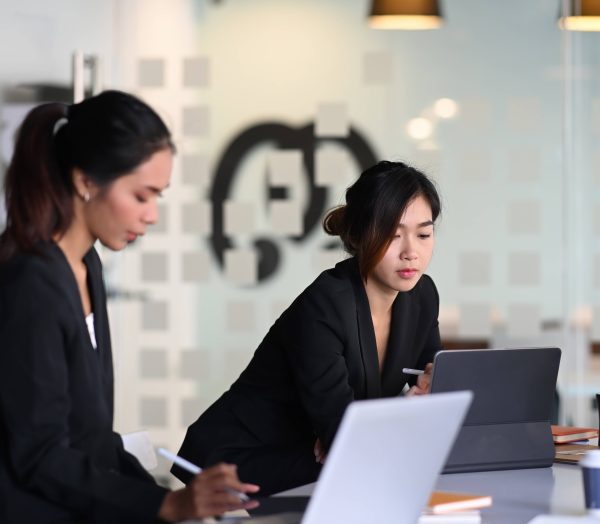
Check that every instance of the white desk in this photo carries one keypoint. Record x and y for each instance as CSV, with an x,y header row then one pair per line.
x,y
519,495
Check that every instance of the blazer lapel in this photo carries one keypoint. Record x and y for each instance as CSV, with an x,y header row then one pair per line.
x,y
366,335
405,315
69,285
101,326
94,279
66,280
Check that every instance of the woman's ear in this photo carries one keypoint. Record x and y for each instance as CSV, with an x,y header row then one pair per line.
x,y
82,184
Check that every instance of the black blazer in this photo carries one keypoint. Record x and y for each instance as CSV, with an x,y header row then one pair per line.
x,y
59,457
319,356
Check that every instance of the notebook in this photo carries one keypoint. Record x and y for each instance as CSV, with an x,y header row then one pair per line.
x,y
383,463
565,434
508,423
441,502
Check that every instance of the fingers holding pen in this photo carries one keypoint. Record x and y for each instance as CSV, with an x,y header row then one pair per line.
x,y
424,380
223,478
213,492
217,489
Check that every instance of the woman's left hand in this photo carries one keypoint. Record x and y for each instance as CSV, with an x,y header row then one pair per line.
x,y
423,383
320,454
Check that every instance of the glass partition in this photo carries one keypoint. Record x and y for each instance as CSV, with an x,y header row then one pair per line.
x,y
276,106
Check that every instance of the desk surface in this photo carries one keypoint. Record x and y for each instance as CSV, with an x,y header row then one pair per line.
x,y
519,495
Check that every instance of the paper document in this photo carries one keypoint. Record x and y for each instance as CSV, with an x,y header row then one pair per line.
x,y
563,519
455,517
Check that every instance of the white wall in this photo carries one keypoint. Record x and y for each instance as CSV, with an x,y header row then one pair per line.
x,y
38,38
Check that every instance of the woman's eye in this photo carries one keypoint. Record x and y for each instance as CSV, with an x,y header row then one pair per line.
x,y
424,235
140,199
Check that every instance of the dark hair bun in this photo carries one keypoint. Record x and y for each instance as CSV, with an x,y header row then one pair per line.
x,y
334,222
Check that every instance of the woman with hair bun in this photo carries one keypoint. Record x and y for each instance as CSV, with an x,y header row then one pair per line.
x,y
346,337
80,173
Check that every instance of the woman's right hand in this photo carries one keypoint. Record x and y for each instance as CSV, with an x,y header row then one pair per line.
x,y
209,493
423,383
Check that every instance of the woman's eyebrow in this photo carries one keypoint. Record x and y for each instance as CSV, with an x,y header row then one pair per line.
x,y
156,190
422,224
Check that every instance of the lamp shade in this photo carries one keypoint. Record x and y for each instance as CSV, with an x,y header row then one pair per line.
x,y
405,14
582,15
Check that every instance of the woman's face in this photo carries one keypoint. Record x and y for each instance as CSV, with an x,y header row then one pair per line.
x,y
409,253
119,213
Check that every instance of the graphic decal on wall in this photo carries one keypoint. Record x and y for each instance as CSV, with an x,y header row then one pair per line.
x,y
281,137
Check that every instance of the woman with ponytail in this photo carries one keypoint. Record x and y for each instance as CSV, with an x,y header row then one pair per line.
x,y
346,337
80,173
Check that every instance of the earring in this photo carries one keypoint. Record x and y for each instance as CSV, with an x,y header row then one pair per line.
x,y
86,197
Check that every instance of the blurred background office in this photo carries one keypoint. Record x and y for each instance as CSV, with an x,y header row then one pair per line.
x,y
276,106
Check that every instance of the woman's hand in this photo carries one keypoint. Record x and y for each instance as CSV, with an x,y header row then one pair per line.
x,y
320,454
212,492
423,383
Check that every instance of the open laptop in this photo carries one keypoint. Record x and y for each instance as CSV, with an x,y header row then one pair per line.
x,y
383,463
508,423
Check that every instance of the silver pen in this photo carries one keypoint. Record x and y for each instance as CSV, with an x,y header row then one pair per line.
x,y
410,371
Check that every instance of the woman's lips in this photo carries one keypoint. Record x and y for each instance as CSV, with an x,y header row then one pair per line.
x,y
407,273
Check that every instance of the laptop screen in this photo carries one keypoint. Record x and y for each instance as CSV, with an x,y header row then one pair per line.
x,y
385,459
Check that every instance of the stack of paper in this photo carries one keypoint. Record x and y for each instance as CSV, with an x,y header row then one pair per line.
x,y
563,519
455,517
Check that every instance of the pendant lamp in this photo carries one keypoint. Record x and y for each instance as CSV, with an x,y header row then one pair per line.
x,y
582,15
405,14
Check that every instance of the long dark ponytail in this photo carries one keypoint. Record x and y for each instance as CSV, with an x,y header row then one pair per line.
x,y
37,194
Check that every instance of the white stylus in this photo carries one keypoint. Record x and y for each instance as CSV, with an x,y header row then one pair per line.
x,y
410,371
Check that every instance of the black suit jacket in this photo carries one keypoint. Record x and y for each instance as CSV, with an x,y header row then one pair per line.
x,y
59,457
319,356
